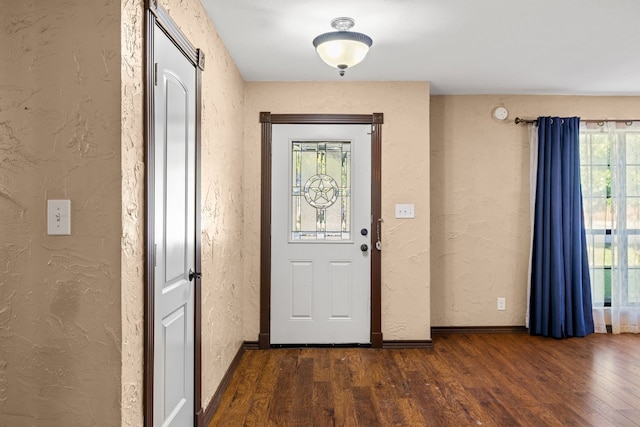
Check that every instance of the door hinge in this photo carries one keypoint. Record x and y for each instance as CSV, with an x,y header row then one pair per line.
x,y
155,251
155,74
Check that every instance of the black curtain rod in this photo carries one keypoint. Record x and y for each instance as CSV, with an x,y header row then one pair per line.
x,y
518,121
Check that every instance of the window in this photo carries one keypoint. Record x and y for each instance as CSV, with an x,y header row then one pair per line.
x,y
595,171
320,191
610,175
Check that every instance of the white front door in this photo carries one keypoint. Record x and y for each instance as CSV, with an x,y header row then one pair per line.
x,y
174,235
321,234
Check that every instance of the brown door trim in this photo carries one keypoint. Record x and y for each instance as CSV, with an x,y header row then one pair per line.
x,y
156,15
267,120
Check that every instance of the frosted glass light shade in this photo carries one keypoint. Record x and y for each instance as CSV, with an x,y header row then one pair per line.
x,y
342,49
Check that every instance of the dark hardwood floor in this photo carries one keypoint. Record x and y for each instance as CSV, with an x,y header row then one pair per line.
x,y
465,380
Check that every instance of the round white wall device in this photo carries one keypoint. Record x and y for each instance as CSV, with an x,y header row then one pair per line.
x,y
500,113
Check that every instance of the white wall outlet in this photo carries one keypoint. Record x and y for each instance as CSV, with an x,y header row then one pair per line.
x,y
405,211
59,217
502,304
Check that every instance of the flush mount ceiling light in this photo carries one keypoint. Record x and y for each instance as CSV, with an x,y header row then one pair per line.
x,y
342,49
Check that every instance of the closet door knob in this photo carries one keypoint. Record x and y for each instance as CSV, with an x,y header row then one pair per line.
x,y
194,275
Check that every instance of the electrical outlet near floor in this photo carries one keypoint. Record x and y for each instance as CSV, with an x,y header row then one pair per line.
x,y
502,304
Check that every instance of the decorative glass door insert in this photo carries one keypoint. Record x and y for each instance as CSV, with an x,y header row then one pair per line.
x,y
320,191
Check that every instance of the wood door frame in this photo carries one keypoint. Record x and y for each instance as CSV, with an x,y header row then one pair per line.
x,y
267,120
156,15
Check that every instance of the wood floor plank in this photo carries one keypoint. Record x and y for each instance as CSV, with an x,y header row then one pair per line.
x,y
281,405
302,408
344,405
323,409
356,375
411,412
365,410
237,395
569,414
257,413
432,402
466,379
384,392
534,416
596,412
389,411
493,408
633,415
322,371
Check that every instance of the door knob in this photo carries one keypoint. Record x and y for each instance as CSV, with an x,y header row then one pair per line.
x,y
194,275
364,248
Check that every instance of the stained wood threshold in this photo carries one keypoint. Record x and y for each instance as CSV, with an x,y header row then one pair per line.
x,y
435,330
353,345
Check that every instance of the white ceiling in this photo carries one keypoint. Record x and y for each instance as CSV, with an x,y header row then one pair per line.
x,y
578,47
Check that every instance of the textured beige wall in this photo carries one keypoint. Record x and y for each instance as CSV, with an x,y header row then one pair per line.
x,y
480,201
60,138
405,179
133,211
71,126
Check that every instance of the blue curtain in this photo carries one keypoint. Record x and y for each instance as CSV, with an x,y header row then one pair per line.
x,y
560,302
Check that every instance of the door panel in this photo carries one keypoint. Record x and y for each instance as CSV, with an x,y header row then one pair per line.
x,y
321,199
174,234
177,129
301,289
174,331
341,288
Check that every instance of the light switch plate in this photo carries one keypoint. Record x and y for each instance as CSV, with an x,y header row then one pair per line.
x,y
59,217
405,211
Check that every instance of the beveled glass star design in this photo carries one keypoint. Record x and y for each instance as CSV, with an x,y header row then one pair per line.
x,y
321,191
